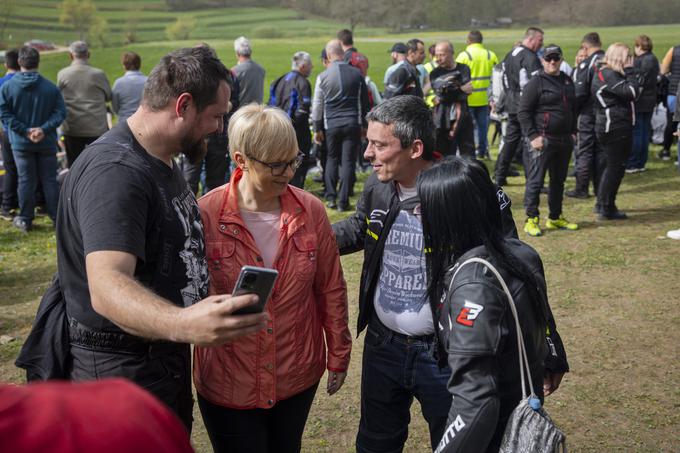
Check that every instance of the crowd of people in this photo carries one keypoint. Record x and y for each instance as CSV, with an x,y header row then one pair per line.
x,y
145,269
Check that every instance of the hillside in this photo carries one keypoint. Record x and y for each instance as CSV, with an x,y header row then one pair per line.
x,y
148,19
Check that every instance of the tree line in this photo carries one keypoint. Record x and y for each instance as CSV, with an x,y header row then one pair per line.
x,y
405,14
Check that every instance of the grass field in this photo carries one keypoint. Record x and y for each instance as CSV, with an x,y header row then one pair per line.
x,y
613,286
39,19
275,54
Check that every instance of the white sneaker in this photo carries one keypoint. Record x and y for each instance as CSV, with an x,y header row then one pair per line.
x,y
674,234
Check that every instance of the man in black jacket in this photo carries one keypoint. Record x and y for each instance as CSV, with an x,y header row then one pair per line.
x,y
292,93
406,78
547,113
590,160
400,352
452,84
520,64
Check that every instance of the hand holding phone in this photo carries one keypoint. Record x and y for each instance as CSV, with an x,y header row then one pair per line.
x,y
255,280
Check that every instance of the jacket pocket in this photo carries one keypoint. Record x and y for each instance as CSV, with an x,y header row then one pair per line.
x,y
222,267
304,256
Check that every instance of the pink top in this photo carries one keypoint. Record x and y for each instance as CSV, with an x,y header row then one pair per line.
x,y
265,228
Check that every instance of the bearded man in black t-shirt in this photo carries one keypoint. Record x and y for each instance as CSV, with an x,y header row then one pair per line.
x,y
130,247
452,84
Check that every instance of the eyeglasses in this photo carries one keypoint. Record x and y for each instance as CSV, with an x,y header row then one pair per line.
x,y
279,168
552,58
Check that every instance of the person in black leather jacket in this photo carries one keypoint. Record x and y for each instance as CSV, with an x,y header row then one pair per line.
x,y
615,87
476,327
547,114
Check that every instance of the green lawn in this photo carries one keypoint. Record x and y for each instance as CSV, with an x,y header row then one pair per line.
x,y
40,20
275,54
613,286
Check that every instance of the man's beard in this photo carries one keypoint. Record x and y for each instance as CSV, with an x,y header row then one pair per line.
x,y
194,150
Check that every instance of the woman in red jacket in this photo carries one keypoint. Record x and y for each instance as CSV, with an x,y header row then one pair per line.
x,y
255,393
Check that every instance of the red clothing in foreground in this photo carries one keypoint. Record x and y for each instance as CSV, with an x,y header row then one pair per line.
x,y
111,415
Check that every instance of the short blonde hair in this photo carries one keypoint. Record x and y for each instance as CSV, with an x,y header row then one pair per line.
x,y
615,56
265,133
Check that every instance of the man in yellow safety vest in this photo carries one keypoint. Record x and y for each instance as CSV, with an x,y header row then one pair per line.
x,y
481,62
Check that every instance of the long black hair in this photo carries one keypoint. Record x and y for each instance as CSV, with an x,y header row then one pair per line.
x,y
460,211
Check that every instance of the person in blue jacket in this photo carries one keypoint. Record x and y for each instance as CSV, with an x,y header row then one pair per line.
x,y
31,108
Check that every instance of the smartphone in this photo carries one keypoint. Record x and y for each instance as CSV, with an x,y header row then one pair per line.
x,y
255,280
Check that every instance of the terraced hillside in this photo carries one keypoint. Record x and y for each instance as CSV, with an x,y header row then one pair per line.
x,y
39,19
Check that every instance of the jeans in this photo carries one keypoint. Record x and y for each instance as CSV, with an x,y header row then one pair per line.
x,y
617,146
670,124
34,166
343,145
9,182
275,430
641,132
480,115
395,369
553,159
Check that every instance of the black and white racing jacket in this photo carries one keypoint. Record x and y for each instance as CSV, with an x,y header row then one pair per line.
x,y
477,331
614,94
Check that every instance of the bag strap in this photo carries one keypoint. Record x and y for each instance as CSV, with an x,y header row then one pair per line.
x,y
523,359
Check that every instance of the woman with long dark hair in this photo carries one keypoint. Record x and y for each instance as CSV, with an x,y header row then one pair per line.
x,y
461,220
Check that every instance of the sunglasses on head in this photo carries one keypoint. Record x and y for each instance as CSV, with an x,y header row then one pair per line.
x,y
552,58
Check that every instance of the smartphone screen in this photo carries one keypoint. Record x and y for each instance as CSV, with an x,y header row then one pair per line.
x,y
255,280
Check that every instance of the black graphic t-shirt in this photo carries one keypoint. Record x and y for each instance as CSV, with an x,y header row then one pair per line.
x,y
117,197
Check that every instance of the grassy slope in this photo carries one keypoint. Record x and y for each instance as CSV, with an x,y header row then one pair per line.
x,y
613,287
40,19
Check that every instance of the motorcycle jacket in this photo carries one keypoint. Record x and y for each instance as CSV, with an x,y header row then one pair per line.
x,y
548,106
583,76
368,228
519,65
615,95
477,331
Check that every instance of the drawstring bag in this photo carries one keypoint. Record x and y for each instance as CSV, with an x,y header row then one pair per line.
x,y
530,428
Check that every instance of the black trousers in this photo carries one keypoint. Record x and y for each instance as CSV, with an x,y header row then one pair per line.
x,y
304,140
343,144
275,430
75,146
10,181
463,142
163,370
617,146
216,167
554,160
512,144
590,158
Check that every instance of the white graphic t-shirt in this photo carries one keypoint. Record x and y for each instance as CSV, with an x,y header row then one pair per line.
x,y
400,298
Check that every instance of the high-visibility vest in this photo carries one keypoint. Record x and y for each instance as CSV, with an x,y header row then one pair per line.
x,y
429,96
481,62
